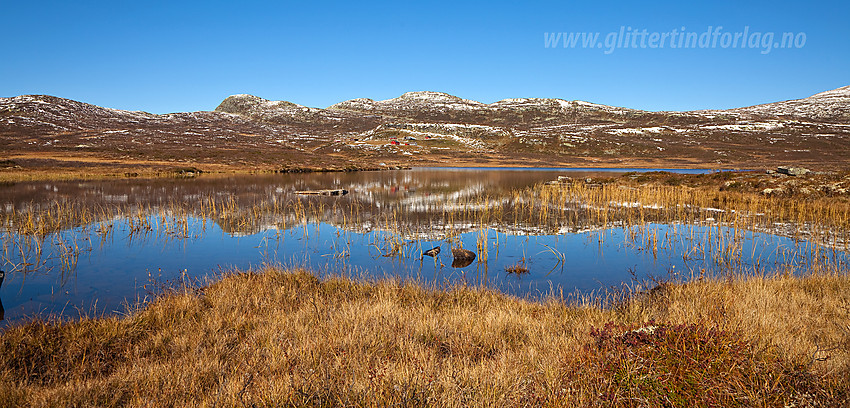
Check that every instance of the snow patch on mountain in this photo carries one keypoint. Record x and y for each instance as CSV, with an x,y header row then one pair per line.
x,y
746,126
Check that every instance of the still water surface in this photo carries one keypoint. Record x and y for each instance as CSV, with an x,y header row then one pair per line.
x,y
379,229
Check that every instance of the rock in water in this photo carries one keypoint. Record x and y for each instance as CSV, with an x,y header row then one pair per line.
x,y
460,254
461,263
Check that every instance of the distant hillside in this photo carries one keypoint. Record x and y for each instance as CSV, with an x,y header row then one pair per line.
x,y
423,128
827,106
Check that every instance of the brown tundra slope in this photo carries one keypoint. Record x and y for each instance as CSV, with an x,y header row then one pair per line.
x,y
422,128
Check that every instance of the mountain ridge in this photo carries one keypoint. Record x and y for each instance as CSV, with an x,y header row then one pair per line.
x,y
840,95
427,127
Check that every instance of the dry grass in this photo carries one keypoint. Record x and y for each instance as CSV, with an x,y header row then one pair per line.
x,y
285,338
637,205
544,208
518,268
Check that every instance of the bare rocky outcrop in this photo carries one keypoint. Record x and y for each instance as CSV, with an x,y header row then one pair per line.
x,y
833,105
792,171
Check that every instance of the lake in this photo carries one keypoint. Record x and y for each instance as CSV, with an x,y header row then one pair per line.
x,y
88,247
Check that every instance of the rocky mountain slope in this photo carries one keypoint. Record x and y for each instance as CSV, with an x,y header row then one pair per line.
x,y
420,128
826,106
39,126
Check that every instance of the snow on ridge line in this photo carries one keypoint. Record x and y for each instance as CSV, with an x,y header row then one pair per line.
x,y
266,103
843,91
444,100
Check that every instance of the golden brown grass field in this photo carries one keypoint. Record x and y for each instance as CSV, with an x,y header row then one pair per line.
x,y
277,337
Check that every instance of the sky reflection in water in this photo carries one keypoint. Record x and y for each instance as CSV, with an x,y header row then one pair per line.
x,y
121,266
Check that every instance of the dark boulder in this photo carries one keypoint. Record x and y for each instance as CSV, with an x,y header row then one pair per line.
x,y
460,254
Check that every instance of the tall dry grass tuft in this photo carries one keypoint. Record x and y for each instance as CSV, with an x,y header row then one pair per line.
x,y
275,337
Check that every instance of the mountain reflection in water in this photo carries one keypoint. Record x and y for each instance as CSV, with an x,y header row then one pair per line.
x,y
130,235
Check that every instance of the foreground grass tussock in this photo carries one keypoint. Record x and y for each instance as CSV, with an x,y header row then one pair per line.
x,y
286,338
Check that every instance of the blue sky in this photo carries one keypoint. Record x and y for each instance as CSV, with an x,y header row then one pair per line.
x,y
168,57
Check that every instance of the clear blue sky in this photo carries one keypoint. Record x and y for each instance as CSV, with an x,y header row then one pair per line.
x,y
167,57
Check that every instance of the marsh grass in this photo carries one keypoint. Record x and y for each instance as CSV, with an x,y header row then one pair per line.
x,y
541,208
285,338
518,268
826,219
544,208
699,224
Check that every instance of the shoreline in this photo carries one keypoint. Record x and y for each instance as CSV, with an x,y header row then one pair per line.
x,y
17,166
833,183
113,171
